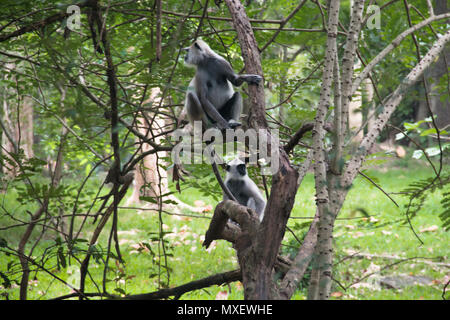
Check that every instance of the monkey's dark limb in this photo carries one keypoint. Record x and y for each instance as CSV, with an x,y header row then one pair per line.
x,y
237,79
250,78
221,183
213,113
217,173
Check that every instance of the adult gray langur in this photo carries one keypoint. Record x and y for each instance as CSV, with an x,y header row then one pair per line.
x,y
210,97
243,188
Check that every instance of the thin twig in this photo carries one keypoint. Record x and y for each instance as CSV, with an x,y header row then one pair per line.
x,y
378,187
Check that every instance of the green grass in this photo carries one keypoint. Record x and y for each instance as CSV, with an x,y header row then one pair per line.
x,y
383,234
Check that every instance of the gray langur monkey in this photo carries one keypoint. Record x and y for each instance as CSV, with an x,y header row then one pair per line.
x,y
243,188
210,96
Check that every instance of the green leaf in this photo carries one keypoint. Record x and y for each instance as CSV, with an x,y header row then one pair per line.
x,y
148,199
417,154
428,132
399,136
120,290
433,151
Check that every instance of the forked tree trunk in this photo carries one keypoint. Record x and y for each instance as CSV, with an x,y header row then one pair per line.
x,y
257,256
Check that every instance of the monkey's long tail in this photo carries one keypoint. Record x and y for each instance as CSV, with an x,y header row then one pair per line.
x,y
217,173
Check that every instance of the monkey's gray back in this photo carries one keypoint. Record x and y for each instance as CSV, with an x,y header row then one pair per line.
x,y
247,194
219,89
239,190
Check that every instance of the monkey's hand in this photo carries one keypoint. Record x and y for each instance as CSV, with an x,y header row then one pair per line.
x,y
251,78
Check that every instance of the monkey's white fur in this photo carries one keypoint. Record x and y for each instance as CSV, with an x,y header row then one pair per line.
x,y
210,96
243,188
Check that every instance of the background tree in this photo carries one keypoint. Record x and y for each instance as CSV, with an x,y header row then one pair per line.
x,y
106,97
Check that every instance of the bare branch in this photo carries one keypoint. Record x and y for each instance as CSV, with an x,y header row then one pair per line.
x,y
304,256
390,105
348,60
391,47
177,292
282,24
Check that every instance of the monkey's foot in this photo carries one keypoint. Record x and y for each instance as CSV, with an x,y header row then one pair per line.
x,y
234,124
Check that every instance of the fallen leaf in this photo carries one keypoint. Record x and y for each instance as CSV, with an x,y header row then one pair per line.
x,y
222,295
373,220
429,229
401,152
208,208
337,294
199,203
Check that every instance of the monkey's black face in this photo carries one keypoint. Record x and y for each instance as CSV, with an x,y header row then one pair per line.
x,y
240,169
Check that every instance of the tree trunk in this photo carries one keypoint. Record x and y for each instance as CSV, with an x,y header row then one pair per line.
x,y
257,256
17,133
149,179
440,106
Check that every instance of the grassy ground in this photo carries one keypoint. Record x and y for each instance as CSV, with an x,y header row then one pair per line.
x,y
383,234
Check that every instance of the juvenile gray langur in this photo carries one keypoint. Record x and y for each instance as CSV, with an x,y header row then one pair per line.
x,y
210,96
243,188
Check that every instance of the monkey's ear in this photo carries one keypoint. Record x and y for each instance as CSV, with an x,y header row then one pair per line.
x,y
197,46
